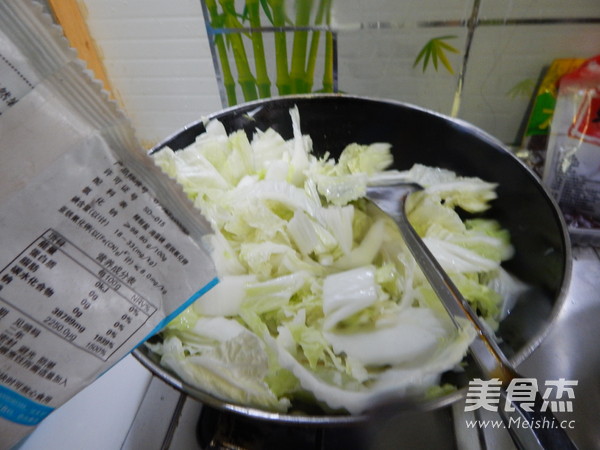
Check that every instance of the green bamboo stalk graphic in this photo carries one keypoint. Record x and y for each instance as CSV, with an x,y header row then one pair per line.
x,y
328,71
262,76
228,81
295,75
322,10
245,77
283,81
297,70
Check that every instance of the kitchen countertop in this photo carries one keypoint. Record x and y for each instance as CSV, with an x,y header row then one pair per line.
x,y
127,408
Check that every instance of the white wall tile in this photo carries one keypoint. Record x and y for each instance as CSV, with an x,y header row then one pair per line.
x,y
399,12
515,9
503,56
379,63
158,27
135,9
133,48
157,56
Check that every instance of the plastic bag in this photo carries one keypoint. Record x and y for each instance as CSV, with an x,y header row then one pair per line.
x,y
572,169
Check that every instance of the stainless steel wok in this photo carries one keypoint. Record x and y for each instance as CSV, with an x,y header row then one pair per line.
x,y
524,207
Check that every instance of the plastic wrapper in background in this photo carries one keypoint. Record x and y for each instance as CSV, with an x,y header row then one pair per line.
x,y
572,167
537,128
92,260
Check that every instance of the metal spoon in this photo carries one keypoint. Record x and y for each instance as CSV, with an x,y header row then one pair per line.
x,y
492,363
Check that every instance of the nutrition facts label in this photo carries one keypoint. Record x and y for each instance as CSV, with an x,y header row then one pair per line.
x,y
76,320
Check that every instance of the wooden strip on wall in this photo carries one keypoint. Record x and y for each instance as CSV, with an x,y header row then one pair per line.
x,y
68,14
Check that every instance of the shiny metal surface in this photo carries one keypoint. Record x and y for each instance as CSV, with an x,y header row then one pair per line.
x,y
570,349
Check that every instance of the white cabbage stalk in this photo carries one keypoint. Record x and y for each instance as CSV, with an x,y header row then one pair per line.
x,y
345,293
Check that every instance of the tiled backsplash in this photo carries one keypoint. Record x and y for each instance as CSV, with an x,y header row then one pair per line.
x,y
158,58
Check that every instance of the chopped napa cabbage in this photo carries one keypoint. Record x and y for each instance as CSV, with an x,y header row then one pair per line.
x,y
226,298
426,211
455,258
365,159
342,189
269,149
365,252
414,377
345,293
470,193
310,236
272,294
420,373
416,333
300,156
354,400
339,221
482,236
318,295
233,370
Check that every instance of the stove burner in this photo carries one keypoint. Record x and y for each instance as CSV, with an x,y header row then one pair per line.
x,y
220,430
387,428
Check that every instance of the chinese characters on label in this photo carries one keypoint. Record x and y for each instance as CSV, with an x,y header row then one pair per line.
x,y
100,312
132,237
14,84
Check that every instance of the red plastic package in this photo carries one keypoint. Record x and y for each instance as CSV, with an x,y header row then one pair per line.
x,y
572,169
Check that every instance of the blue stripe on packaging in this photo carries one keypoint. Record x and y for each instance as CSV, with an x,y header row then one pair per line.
x,y
19,409
207,287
